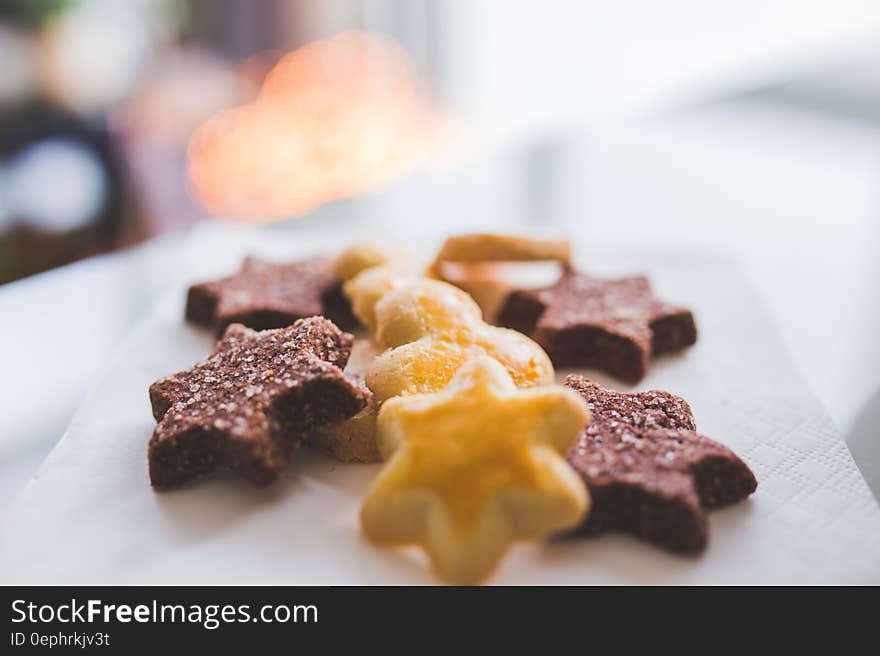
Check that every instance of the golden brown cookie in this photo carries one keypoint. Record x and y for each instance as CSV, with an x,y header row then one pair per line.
x,y
430,329
475,467
487,266
491,247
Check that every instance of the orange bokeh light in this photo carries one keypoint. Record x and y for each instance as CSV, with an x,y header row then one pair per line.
x,y
333,119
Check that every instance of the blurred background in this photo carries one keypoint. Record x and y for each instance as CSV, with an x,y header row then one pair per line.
x,y
749,129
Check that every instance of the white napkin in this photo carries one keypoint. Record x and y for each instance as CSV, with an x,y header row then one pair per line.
x,y
90,515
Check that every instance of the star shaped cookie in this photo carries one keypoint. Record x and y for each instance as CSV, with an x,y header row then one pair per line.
x,y
430,328
647,469
267,295
473,468
250,402
611,325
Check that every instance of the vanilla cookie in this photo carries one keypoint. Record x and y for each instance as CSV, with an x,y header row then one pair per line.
x,y
491,247
432,328
474,468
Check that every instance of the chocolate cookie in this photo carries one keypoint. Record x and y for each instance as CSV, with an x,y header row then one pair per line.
x,y
266,295
611,325
251,401
649,472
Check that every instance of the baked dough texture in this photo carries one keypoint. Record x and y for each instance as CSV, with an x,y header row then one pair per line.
x,y
475,467
430,329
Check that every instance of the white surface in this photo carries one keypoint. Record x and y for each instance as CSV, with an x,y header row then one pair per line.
x,y
513,68
64,327
91,517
